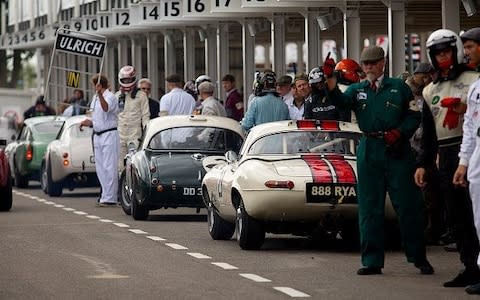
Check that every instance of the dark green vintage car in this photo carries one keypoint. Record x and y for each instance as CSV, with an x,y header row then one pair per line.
x,y
167,169
25,154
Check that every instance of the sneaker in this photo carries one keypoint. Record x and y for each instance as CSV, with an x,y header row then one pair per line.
x,y
467,277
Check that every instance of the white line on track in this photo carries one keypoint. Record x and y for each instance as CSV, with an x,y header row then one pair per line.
x,y
59,205
78,212
34,197
93,217
291,292
121,225
198,255
176,246
224,266
68,209
137,231
106,221
42,200
49,202
254,277
155,238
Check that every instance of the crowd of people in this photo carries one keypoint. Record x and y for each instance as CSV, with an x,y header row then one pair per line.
x,y
419,132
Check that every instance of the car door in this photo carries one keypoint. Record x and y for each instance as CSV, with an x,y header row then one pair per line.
x,y
21,148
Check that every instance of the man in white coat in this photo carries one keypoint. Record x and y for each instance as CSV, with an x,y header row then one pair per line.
x,y
210,105
106,142
470,148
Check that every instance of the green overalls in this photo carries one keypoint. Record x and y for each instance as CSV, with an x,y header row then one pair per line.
x,y
382,168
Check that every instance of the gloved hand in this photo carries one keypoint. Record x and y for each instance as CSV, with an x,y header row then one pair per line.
x,y
328,66
452,117
391,136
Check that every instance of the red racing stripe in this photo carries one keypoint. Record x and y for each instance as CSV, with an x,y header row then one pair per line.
x,y
319,168
344,171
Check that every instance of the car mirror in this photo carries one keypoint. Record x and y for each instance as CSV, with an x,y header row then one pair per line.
x,y
231,156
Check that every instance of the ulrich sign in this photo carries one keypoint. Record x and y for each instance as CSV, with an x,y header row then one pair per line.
x,y
79,45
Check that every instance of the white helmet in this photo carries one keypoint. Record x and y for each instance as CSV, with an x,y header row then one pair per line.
x,y
126,77
441,39
200,79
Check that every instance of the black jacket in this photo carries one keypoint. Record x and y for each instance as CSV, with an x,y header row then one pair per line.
x,y
319,107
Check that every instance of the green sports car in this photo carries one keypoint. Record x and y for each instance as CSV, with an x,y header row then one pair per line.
x,y
25,154
167,169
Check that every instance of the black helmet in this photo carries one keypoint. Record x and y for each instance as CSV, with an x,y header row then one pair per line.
x,y
267,81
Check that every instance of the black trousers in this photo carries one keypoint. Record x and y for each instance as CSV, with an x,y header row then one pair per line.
x,y
459,207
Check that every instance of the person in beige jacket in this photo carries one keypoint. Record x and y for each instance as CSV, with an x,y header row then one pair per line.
x,y
134,112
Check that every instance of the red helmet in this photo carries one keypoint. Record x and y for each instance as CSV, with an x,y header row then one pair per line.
x,y
348,70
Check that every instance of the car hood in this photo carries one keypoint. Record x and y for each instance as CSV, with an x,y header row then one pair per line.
x,y
322,169
183,168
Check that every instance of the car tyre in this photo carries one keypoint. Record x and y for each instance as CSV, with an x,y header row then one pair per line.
x,y
44,179
54,189
6,195
250,232
123,195
218,228
138,211
20,181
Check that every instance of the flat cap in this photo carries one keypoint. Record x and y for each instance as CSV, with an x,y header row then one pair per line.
x,y
471,35
206,87
285,80
423,67
174,78
372,53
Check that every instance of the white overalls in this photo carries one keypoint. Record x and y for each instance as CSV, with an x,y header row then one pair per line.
x,y
106,145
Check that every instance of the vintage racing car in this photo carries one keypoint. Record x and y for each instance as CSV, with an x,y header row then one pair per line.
x,y
69,161
6,197
289,177
25,154
167,169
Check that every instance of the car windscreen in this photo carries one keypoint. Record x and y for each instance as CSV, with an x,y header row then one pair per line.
x,y
197,139
298,142
75,131
49,129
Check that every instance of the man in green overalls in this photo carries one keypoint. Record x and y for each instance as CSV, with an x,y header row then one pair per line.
x,y
388,116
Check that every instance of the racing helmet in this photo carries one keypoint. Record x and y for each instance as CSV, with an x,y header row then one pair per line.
x,y
267,82
127,77
348,71
442,39
316,75
200,79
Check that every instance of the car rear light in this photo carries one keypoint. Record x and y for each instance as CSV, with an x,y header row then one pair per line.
x,y
275,184
65,155
329,125
65,162
29,153
154,181
159,188
306,124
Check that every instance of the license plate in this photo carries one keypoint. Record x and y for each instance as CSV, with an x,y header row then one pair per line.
x,y
333,193
92,159
192,191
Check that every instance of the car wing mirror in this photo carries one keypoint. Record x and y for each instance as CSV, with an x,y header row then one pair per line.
x,y
231,156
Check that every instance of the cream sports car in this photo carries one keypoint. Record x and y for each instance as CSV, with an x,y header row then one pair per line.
x,y
69,161
290,177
